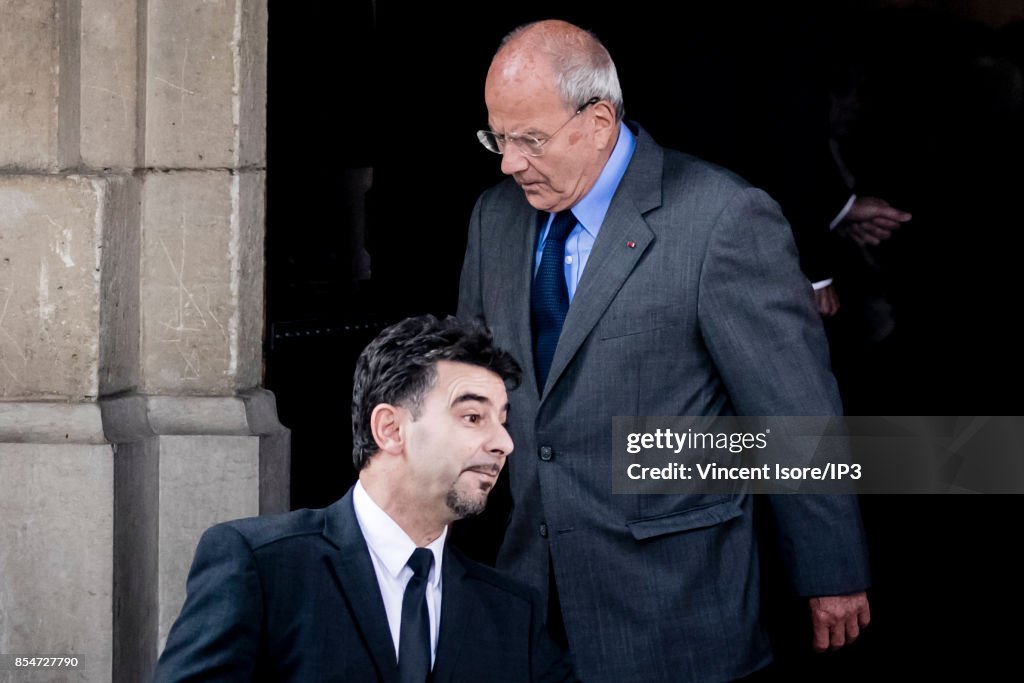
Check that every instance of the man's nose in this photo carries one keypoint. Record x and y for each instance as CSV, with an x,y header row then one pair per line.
x,y
513,160
500,443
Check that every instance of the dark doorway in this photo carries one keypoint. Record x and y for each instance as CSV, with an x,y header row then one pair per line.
x,y
372,173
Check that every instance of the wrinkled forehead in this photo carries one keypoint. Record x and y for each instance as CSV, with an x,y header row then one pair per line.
x,y
458,382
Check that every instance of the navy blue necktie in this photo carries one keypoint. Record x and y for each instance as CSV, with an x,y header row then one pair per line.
x,y
414,632
549,300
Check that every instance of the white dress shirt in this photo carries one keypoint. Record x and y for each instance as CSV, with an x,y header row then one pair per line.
x,y
390,549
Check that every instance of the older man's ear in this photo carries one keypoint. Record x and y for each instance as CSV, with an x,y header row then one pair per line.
x,y
605,124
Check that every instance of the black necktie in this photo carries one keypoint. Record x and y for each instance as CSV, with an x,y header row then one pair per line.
x,y
414,633
549,298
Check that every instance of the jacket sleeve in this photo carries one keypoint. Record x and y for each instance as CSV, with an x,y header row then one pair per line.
x,y
216,636
758,319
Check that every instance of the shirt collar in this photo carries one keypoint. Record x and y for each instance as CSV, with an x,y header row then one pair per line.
x,y
388,541
591,210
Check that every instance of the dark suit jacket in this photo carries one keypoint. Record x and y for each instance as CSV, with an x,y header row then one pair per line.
x,y
692,303
294,598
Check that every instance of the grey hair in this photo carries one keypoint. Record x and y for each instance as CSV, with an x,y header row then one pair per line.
x,y
583,68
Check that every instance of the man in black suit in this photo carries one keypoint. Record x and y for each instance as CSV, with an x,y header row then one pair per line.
x,y
366,589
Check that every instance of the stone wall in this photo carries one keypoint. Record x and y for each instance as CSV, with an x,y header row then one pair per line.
x,y
132,168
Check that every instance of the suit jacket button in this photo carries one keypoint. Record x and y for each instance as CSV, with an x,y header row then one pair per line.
x,y
543,530
546,453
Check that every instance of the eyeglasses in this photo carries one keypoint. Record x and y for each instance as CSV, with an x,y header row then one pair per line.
x,y
527,144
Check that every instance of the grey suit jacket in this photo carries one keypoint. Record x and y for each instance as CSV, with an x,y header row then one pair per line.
x,y
294,597
692,303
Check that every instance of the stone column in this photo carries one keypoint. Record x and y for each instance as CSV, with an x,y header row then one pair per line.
x,y
132,174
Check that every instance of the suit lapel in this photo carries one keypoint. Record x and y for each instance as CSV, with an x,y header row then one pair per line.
x,y
456,612
353,571
623,239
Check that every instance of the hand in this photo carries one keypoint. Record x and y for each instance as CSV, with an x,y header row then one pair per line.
x,y
871,220
838,619
827,301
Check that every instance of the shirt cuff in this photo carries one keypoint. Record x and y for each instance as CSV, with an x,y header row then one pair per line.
x,y
842,214
821,284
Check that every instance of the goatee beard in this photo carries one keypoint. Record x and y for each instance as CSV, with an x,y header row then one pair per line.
x,y
464,506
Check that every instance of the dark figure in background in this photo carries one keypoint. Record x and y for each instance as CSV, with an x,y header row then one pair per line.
x,y
929,117
367,589
672,288
925,118
745,85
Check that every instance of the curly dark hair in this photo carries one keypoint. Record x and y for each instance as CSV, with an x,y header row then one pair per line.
x,y
399,368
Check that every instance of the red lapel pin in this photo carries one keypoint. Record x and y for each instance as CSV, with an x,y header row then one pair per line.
x,y
631,244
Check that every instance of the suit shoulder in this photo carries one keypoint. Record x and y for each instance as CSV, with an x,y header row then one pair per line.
x,y
259,532
497,580
685,171
706,190
500,195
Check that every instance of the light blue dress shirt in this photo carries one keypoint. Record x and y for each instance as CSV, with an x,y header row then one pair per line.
x,y
590,212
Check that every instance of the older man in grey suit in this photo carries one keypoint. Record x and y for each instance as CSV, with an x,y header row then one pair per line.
x,y
633,280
